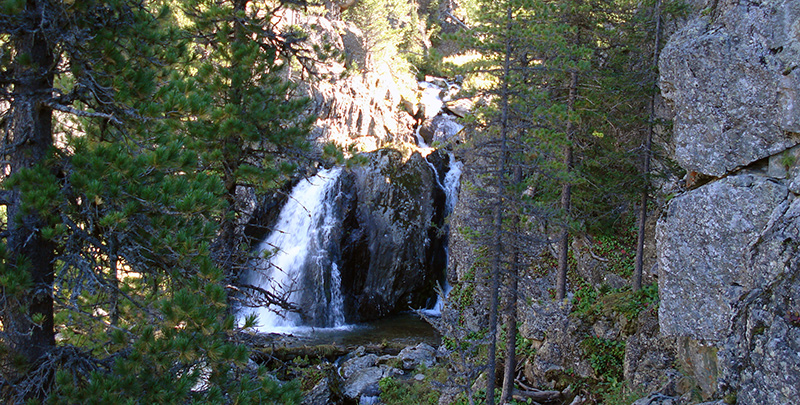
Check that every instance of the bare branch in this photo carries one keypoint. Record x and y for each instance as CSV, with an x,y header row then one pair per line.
x,y
265,296
81,113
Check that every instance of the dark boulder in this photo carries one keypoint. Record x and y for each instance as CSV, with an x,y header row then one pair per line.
x,y
386,253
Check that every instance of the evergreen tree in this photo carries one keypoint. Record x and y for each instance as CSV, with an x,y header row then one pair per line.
x,y
647,151
243,122
27,78
552,136
390,28
113,213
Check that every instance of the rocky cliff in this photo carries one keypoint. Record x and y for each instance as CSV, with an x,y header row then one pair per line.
x,y
358,102
390,245
728,249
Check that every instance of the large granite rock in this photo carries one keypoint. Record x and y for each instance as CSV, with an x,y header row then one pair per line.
x,y
731,76
728,251
419,355
703,244
759,359
386,255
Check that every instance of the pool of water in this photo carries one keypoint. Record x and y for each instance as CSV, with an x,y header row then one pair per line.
x,y
404,329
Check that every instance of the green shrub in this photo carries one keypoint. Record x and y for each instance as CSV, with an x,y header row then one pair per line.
x,y
605,356
394,391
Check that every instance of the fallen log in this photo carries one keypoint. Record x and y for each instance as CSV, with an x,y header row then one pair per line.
x,y
543,397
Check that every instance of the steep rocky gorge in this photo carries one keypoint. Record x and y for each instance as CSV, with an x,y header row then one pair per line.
x,y
724,251
387,235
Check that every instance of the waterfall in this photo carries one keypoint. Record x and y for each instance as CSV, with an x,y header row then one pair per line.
x,y
452,180
295,260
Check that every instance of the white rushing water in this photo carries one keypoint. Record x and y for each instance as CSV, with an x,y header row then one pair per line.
x,y
451,183
430,99
299,237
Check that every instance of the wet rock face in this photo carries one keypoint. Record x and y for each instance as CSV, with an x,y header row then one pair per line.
x,y
386,246
440,129
732,78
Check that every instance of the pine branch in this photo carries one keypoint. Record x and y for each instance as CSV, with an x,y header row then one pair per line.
x,y
81,113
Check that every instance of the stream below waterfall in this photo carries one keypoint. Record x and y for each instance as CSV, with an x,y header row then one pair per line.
x,y
399,330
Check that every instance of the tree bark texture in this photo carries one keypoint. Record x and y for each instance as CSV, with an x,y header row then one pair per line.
x,y
498,219
566,193
227,244
28,316
510,366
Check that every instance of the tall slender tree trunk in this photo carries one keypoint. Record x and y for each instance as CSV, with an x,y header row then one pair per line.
x,y
498,219
28,316
648,146
511,308
113,265
566,193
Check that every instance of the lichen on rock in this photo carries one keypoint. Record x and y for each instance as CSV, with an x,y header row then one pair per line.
x,y
731,77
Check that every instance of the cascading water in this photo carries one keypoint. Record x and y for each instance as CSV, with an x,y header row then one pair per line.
x,y
451,183
432,101
295,260
320,231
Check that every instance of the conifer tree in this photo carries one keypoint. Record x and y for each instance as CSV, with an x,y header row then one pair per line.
x,y
646,153
549,60
113,213
27,76
245,126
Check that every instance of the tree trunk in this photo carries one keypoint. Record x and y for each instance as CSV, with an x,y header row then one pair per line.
x,y
566,193
498,220
226,251
511,310
648,146
28,316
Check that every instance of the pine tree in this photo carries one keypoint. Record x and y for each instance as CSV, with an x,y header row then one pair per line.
x,y
113,213
27,269
549,135
646,154
245,125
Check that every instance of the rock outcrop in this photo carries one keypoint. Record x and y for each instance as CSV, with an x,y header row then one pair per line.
x,y
731,76
386,248
705,241
390,224
361,372
357,102
728,250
